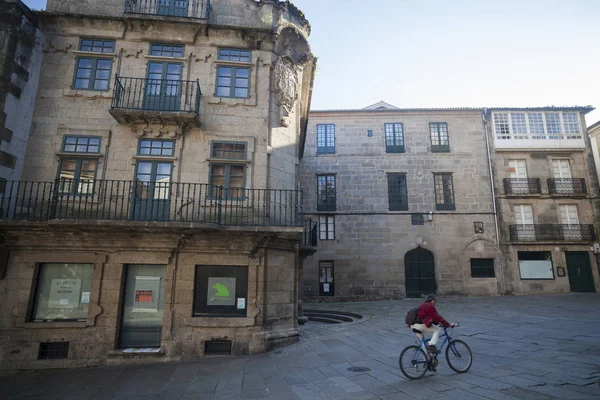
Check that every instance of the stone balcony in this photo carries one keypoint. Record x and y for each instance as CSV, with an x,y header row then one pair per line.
x,y
137,201
522,186
310,238
193,9
552,233
156,101
570,187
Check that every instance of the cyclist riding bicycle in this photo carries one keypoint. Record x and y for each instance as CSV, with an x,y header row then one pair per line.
x,y
427,321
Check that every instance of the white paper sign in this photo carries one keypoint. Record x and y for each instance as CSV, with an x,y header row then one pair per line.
x,y
85,297
241,304
64,293
326,287
536,269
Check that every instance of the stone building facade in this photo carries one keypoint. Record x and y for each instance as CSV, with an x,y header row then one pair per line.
x,y
546,188
404,201
164,220
20,62
406,206
594,134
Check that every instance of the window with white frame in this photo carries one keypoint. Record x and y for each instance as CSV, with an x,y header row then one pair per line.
x,y
325,139
553,125
519,126
537,125
571,124
327,227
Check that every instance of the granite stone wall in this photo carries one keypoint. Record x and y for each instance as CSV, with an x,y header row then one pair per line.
x,y
370,241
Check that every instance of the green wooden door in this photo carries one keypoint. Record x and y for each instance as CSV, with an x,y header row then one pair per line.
x,y
580,271
163,86
152,191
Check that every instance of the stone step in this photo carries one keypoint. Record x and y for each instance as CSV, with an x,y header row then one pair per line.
x,y
346,313
329,316
325,320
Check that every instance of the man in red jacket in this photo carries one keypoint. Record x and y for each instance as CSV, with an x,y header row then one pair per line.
x,y
427,321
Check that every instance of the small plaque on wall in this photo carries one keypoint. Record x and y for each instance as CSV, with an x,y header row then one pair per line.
x,y
560,271
479,227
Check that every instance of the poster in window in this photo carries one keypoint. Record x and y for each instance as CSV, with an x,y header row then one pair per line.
x,y
64,293
536,269
326,287
221,292
145,294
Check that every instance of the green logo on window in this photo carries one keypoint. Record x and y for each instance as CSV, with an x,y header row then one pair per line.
x,y
221,290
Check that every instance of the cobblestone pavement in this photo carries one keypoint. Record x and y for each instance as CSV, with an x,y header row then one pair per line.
x,y
533,347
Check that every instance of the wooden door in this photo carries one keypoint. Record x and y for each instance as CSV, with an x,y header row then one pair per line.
x,y
420,272
580,271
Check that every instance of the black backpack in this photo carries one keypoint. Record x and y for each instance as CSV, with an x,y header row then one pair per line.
x,y
411,316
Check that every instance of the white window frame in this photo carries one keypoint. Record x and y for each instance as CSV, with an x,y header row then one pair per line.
x,y
521,214
564,133
327,227
522,231
564,210
571,231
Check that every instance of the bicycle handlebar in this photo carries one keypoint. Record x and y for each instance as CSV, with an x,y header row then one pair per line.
x,y
456,325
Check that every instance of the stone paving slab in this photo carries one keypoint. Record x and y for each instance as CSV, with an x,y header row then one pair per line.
x,y
525,348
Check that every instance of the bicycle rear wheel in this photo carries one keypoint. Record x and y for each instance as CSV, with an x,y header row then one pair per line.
x,y
413,362
459,356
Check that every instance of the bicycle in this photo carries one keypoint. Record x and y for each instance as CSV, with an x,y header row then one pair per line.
x,y
415,362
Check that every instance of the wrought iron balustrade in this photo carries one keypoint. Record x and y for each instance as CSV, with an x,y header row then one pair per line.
x,y
564,186
196,9
311,233
551,232
522,186
149,201
161,95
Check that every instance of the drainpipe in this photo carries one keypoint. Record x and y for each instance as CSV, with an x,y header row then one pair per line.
x,y
106,154
175,254
492,185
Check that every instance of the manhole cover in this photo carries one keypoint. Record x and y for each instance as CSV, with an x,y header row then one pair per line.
x,y
359,369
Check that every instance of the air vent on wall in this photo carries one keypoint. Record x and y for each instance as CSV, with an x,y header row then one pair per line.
x,y
53,350
217,347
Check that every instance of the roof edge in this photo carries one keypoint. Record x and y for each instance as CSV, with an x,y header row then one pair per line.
x,y
585,109
594,126
363,110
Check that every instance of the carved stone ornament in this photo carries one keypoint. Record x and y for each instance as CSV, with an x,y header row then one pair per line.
x,y
173,132
285,84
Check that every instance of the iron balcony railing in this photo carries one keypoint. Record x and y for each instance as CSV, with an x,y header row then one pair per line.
x,y
311,233
161,95
565,186
522,186
150,201
551,232
197,9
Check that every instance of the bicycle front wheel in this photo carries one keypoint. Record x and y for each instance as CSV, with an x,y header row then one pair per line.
x,y
413,362
459,356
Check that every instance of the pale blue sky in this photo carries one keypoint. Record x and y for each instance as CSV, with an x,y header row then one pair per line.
x,y
443,53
